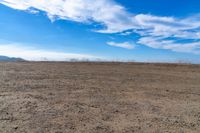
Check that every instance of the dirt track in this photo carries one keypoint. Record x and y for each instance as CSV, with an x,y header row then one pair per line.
x,y
99,98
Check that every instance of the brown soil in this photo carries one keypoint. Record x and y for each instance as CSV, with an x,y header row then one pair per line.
x,y
99,98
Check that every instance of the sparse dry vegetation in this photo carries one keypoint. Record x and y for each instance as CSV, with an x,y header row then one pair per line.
x,y
47,97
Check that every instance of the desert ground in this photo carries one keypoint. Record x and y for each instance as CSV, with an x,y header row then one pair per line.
x,y
49,97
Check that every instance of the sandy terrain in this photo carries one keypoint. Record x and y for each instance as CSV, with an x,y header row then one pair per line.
x,y
99,98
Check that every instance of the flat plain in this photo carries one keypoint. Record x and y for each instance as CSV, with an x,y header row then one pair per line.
x,y
49,97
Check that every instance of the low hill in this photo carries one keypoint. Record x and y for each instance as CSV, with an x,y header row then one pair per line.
x,y
6,58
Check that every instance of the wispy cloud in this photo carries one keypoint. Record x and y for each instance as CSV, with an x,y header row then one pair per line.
x,y
125,45
159,43
107,12
153,30
168,26
33,54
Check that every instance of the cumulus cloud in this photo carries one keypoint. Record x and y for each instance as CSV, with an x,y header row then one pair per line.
x,y
125,45
114,18
33,54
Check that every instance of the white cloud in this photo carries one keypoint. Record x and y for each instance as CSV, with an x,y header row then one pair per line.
x,y
33,11
110,14
116,19
125,45
157,31
168,26
33,54
159,43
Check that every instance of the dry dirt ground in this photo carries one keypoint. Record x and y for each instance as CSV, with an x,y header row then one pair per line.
x,y
99,98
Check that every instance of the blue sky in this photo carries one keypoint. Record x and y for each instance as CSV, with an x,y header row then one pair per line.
x,y
140,30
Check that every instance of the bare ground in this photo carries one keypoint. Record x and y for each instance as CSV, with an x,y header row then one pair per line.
x,y
99,98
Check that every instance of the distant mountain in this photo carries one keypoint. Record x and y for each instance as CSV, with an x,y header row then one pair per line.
x,y
6,58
